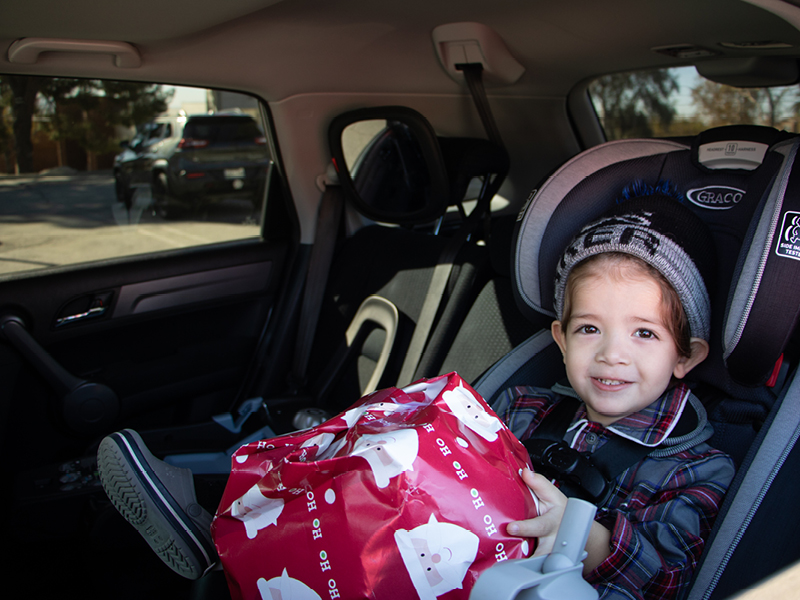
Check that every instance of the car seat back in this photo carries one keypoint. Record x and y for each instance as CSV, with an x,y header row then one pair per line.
x,y
488,328
756,533
401,265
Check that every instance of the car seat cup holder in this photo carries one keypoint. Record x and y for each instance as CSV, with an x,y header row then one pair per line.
x,y
555,576
86,407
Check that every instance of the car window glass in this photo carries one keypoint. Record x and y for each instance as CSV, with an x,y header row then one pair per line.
x,y
679,102
93,170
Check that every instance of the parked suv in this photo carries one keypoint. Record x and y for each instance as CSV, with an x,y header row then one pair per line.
x,y
217,156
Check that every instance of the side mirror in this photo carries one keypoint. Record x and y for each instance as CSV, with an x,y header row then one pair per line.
x,y
390,164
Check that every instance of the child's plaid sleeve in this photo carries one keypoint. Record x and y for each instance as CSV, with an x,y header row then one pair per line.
x,y
660,527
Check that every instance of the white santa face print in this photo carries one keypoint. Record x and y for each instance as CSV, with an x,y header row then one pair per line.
x,y
285,588
428,561
388,454
471,413
256,511
437,556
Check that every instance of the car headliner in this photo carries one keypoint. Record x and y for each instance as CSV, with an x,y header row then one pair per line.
x,y
311,59
282,48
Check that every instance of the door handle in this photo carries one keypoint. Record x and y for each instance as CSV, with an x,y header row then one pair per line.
x,y
97,311
87,307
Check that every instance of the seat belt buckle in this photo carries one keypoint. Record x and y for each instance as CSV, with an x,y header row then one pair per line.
x,y
556,460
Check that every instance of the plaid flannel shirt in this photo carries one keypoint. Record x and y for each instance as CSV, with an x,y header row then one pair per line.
x,y
661,509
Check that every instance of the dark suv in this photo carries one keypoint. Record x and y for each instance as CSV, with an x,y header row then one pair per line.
x,y
218,157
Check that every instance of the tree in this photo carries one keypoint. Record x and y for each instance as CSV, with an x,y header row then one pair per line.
x,y
88,111
6,126
718,104
632,103
23,102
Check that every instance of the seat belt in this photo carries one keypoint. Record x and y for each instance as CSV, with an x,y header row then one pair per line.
x,y
473,73
330,211
444,267
436,290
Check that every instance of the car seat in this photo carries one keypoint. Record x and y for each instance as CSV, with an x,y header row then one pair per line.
x,y
741,180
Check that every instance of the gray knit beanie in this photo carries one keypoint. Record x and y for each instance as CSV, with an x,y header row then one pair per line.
x,y
662,232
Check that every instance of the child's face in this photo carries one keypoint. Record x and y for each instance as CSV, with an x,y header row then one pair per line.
x,y
620,357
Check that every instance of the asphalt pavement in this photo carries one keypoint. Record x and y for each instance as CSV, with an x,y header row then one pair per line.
x,y
60,219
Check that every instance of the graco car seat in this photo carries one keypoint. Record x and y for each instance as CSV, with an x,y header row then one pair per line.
x,y
743,183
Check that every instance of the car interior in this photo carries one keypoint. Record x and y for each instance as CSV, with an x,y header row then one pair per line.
x,y
428,162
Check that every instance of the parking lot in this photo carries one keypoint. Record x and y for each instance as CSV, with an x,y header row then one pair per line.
x,y
55,220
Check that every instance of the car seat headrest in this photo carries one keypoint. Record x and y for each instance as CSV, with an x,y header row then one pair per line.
x,y
467,158
394,169
729,197
734,146
565,202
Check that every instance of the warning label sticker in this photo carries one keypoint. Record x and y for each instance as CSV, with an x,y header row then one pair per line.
x,y
789,243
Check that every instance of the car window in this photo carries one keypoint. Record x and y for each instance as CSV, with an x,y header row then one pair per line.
x,y
679,102
93,170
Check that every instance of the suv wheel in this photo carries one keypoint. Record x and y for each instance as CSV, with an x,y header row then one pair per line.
x,y
123,191
163,203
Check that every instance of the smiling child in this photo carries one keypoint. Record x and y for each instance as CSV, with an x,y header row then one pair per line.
x,y
633,319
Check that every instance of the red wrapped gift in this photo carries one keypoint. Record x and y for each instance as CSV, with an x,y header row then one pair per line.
x,y
404,495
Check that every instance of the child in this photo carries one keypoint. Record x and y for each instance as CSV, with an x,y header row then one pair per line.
x,y
633,319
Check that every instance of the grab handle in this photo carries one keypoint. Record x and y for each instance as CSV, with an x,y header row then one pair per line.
x,y
26,51
86,407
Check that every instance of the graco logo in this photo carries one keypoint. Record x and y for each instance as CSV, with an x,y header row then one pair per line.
x,y
789,244
715,197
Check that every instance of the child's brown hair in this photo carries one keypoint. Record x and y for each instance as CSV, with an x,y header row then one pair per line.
x,y
626,266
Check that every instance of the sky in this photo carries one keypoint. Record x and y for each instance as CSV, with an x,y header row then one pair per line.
x,y
186,94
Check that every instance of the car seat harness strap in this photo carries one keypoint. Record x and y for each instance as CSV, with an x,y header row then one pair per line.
x,y
582,475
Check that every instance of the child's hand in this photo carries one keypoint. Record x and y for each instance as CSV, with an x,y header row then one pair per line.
x,y
551,509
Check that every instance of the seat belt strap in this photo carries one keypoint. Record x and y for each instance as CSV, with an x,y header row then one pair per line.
x,y
473,73
430,307
555,423
316,279
436,290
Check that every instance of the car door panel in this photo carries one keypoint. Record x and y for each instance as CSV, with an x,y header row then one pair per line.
x,y
173,343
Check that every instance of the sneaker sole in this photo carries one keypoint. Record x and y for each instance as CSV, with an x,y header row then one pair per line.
x,y
142,499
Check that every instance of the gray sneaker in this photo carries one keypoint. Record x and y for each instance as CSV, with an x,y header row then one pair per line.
x,y
159,501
